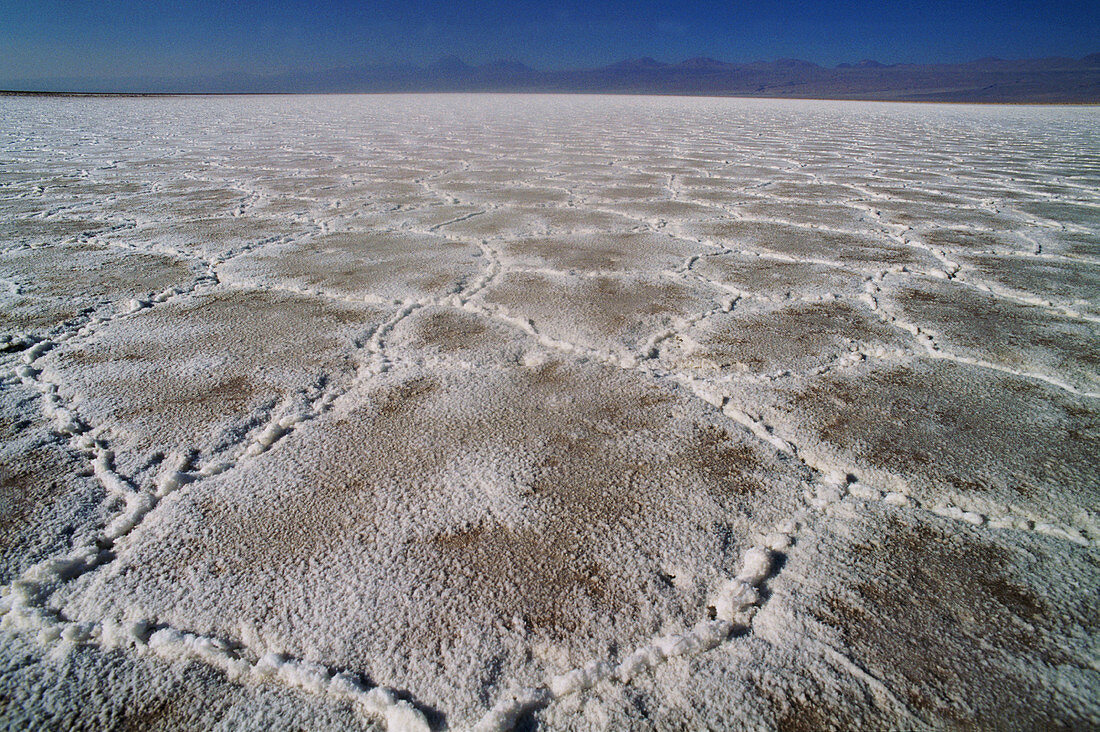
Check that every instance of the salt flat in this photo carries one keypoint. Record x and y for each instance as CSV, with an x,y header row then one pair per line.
x,y
563,412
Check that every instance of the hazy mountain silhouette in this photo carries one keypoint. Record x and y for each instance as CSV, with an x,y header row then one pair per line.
x,y
1053,79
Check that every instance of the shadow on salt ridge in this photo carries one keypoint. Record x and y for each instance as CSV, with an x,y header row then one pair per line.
x,y
415,215
454,535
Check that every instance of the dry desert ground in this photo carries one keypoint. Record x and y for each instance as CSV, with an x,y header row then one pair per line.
x,y
554,412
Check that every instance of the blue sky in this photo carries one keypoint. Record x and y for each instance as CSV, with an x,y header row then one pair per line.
x,y
43,39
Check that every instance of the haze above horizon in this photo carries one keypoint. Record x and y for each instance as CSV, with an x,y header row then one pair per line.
x,y
59,39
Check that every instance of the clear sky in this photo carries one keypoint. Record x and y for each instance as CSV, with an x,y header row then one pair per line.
x,y
44,39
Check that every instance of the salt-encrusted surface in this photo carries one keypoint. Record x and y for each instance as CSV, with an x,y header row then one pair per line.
x,y
575,412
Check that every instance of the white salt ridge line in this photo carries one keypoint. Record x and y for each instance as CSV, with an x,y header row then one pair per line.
x,y
459,219
65,422
219,259
839,484
732,607
16,342
493,270
897,232
774,256
1027,299
85,558
842,360
650,349
704,388
151,248
570,345
934,350
600,274
1070,258
88,325
23,604
755,218
834,484
1024,218
711,394
1084,536
137,503
500,314
23,611
103,469
376,344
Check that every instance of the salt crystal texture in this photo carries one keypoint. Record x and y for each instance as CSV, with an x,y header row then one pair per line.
x,y
479,411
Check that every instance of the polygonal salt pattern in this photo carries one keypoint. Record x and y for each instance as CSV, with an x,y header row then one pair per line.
x,y
563,412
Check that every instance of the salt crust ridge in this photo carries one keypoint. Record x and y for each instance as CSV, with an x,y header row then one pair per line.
x,y
26,601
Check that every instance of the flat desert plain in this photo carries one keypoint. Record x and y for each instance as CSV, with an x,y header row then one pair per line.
x,y
548,412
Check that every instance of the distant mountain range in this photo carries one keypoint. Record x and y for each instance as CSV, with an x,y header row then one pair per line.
x,y
1051,80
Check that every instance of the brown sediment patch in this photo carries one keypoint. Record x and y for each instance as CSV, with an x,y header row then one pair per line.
x,y
797,337
543,577
193,372
594,309
404,396
156,713
860,250
448,330
729,467
599,252
1018,336
776,278
29,483
57,283
803,713
358,263
197,403
46,495
35,230
944,238
930,424
542,502
936,618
